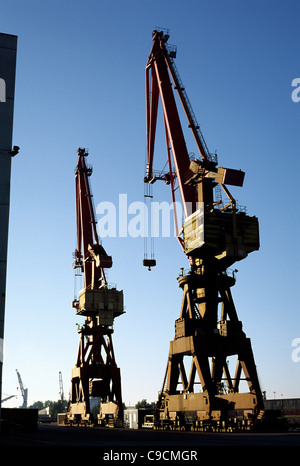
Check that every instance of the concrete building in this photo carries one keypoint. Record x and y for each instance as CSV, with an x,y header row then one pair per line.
x,y
289,408
8,52
134,417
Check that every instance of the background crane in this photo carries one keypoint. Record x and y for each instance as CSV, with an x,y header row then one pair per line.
x,y
61,388
8,398
24,391
214,236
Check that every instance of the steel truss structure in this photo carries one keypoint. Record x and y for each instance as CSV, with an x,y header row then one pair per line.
x,y
96,373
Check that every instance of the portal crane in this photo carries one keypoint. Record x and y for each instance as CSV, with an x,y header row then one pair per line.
x,y
214,236
24,391
96,373
61,387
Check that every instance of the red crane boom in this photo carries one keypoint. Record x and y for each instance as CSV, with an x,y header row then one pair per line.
x,y
160,69
158,84
90,255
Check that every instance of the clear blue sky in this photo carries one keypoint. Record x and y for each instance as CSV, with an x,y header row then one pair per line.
x,y
80,82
